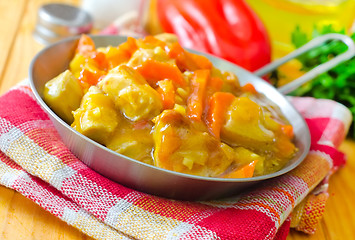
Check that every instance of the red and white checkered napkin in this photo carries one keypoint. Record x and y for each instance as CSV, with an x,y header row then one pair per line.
x,y
36,163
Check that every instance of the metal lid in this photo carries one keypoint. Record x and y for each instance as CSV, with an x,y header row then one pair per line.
x,y
56,21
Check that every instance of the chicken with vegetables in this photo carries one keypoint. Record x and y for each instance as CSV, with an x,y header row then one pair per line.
x,y
151,100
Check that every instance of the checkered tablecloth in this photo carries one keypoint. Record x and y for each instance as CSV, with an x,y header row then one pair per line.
x,y
36,163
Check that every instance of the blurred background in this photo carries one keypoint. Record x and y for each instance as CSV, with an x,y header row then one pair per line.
x,y
250,33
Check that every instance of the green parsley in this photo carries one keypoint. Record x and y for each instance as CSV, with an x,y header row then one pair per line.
x,y
338,83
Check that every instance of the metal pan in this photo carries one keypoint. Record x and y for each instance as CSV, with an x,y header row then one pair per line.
x,y
150,179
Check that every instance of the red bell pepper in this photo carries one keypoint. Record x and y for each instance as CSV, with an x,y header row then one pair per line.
x,y
225,28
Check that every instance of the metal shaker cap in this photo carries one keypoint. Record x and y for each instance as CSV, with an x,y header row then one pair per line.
x,y
56,21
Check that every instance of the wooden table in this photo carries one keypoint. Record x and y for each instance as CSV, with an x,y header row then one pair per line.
x,y
20,218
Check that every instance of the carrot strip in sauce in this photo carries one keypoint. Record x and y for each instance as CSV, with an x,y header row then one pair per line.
x,y
186,60
215,84
218,105
246,171
195,102
100,59
86,46
167,92
122,53
249,88
89,77
201,61
129,47
287,130
153,71
150,42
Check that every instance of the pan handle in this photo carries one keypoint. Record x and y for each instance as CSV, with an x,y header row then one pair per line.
x,y
349,53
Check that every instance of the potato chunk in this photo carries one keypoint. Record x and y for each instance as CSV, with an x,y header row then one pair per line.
x,y
133,140
181,147
79,62
167,37
142,55
131,93
63,95
96,118
245,156
244,124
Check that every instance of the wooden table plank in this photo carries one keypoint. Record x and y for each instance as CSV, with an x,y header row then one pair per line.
x,y
24,47
6,196
24,218
339,217
20,218
11,15
340,212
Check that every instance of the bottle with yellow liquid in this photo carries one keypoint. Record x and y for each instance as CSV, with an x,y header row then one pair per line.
x,y
281,17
